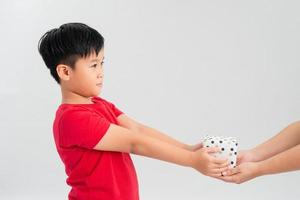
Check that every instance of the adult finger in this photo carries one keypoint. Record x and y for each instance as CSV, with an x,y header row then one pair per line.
x,y
230,179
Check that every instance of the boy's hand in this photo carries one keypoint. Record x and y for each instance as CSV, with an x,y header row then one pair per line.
x,y
205,163
195,147
242,173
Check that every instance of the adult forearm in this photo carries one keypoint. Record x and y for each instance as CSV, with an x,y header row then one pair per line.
x,y
288,160
285,139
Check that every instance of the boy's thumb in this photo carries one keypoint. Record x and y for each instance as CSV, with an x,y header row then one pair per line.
x,y
198,146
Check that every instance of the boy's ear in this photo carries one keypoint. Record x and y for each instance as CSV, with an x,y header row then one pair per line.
x,y
63,72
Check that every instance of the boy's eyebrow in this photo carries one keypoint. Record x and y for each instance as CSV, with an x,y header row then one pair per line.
x,y
97,59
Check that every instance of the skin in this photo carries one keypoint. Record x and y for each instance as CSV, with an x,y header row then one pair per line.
x,y
277,155
80,84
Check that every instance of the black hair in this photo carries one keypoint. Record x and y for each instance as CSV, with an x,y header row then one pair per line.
x,y
68,43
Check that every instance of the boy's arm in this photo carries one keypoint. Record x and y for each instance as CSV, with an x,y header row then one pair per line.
x,y
123,140
127,122
285,139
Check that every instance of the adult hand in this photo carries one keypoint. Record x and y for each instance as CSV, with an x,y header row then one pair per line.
x,y
245,156
242,173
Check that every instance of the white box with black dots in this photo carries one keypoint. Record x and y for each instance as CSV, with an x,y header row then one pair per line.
x,y
227,145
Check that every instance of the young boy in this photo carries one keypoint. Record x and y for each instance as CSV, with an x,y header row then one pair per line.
x,y
92,136
279,154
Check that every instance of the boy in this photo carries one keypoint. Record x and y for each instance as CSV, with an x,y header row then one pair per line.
x,y
92,136
279,154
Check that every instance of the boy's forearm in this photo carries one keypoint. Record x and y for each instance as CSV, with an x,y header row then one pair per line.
x,y
288,160
155,148
151,132
285,139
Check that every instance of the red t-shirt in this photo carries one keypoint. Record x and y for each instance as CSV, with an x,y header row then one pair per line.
x,y
92,174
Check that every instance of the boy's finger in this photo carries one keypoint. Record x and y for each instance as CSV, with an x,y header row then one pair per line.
x,y
212,149
232,171
220,170
221,165
220,161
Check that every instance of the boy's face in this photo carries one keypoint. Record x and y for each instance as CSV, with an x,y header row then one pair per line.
x,y
87,77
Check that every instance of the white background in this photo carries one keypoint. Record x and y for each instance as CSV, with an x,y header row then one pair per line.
x,y
187,68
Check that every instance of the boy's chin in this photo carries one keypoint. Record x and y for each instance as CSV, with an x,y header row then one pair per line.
x,y
97,93
92,94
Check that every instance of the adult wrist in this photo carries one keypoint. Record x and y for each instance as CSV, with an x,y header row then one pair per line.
x,y
261,168
256,155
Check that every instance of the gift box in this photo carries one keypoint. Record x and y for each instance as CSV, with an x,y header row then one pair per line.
x,y
228,147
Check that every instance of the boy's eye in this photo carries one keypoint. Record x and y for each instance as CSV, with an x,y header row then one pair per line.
x,y
94,65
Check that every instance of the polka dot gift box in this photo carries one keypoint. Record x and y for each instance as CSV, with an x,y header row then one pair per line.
x,y
227,145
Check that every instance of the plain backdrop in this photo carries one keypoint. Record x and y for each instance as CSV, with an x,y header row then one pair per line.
x,y
188,68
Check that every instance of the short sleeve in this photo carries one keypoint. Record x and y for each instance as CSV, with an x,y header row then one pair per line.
x,y
116,111
82,128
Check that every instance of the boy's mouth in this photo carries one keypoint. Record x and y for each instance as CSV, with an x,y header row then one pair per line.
x,y
99,84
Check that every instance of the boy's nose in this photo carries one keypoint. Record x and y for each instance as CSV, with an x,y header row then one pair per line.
x,y
100,76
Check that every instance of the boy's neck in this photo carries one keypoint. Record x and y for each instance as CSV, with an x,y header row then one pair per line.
x,y
73,98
